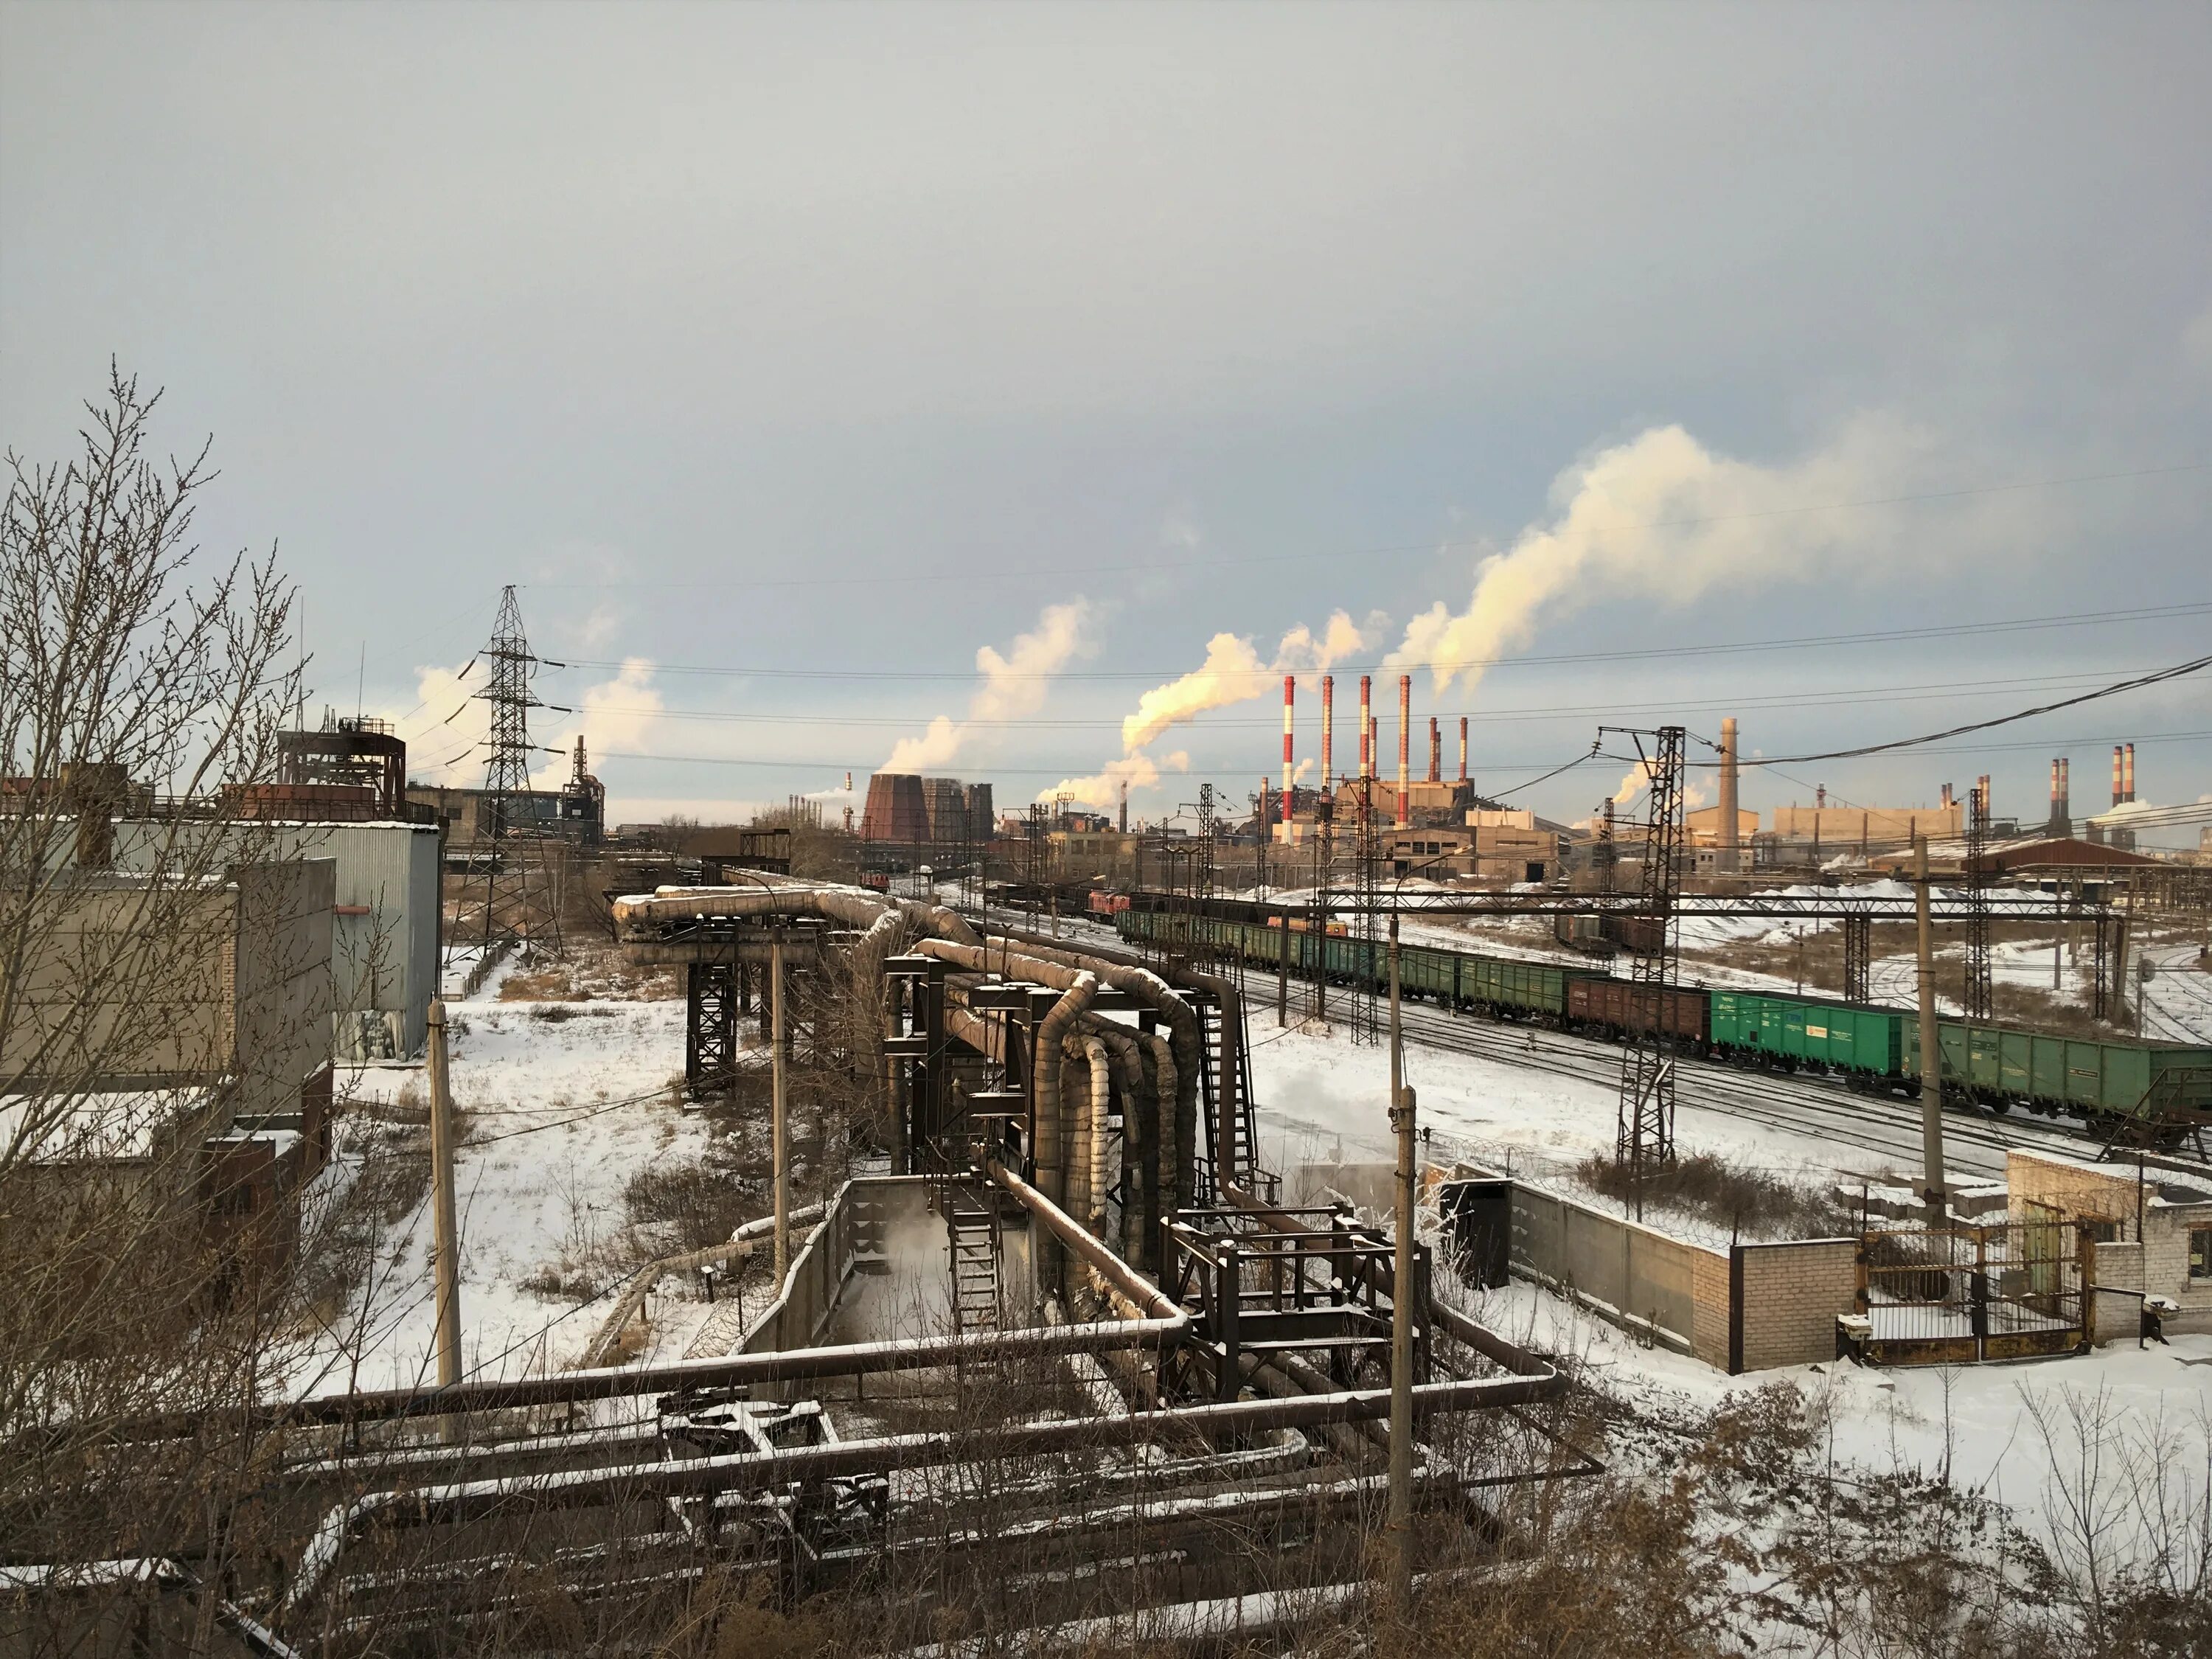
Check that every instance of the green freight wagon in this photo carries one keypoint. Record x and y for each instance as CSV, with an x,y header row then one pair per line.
x,y
1524,988
2090,1077
1862,1042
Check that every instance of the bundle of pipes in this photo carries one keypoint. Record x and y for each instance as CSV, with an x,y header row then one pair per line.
x,y
1171,1083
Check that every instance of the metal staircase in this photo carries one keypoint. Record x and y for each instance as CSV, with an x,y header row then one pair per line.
x,y
1240,1159
972,1221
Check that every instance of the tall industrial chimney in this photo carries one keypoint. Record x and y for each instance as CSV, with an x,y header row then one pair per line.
x,y
1435,752
2120,788
1328,734
1405,745
1290,701
2127,774
1462,748
1731,850
2061,819
1366,732
1125,806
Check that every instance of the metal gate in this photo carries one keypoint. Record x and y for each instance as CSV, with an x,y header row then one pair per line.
x,y
2009,1290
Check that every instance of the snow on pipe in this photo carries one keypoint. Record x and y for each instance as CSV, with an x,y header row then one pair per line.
x,y
854,906
1404,742
740,1244
461,1501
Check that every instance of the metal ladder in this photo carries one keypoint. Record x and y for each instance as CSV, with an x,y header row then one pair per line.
x,y
972,1224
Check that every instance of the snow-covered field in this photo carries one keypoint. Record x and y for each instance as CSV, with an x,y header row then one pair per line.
x,y
1320,1099
2072,1446
559,1114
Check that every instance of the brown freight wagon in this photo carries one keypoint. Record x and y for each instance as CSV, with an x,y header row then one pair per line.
x,y
1605,1002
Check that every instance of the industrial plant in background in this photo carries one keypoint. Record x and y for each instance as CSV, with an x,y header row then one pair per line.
x,y
910,809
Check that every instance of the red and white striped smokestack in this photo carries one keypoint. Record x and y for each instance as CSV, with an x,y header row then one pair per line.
x,y
2118,788
1462,748
2127,774
1366,732
1328,731
2057,795
1290,702
1405,745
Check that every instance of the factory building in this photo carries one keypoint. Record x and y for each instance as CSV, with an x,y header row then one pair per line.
x,y
195,1080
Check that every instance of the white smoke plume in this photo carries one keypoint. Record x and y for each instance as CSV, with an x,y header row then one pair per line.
x,y
1232,673
1014,685
616,714
1661,517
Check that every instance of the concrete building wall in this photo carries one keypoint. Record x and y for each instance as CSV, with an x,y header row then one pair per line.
x,y
1646,1280
1752,1307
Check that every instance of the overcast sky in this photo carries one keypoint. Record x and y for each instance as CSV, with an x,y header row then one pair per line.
x,y
826,347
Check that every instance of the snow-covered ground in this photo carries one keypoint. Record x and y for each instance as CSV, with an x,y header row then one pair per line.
x,y
2015,1433
561,1113
1321,1100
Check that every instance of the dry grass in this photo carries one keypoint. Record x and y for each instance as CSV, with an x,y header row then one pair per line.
x,y
1754,1202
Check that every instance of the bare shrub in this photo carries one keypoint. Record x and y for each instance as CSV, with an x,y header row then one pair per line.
x,y
1715,1189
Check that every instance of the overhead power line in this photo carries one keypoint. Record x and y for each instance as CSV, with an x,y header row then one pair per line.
x,y
1956,631
2194,665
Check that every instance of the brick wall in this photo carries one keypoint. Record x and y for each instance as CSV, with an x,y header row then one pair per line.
x,y
1791,1293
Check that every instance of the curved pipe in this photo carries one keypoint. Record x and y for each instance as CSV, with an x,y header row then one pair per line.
x,y
1126,975
1047,1125
1090,1159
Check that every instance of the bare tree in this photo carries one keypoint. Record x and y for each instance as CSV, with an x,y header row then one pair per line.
x,y
157,984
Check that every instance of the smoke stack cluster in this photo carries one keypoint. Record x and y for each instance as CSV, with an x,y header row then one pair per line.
x,y
1405,745
1731,850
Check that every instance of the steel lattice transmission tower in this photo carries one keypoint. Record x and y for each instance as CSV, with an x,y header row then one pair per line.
x,y
520,907
1978,997
1644,1132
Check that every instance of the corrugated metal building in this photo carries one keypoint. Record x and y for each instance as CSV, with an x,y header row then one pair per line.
x,y
383,951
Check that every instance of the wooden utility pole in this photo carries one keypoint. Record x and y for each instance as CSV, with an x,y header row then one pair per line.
x,y
445,1250
1931,1049
780,1121
1402,1291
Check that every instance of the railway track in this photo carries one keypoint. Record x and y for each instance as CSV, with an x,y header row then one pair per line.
x,y
1974,1141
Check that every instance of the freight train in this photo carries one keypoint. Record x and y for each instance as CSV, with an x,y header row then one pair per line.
x,y
2102,1080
